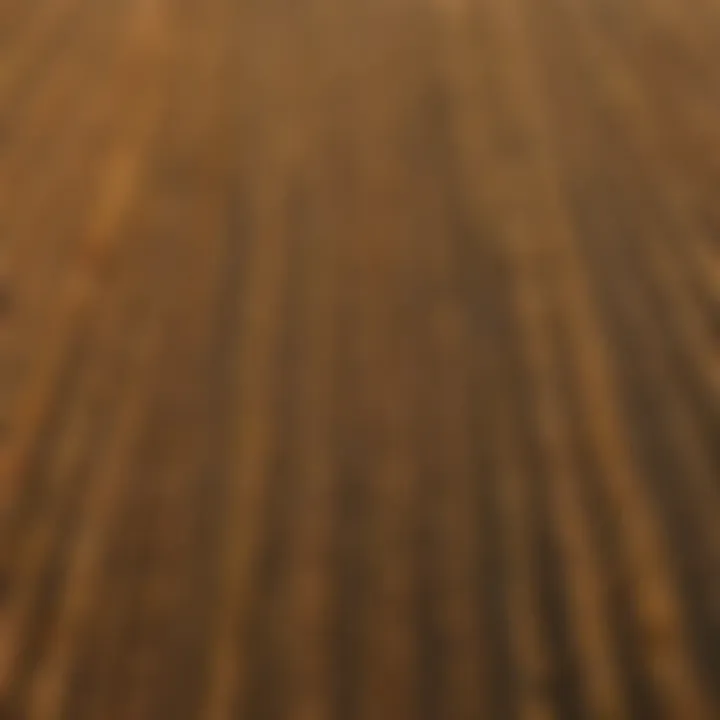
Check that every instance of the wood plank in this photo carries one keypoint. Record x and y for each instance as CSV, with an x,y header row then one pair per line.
x,y
359,359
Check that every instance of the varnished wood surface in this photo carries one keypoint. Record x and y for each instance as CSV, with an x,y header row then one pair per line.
x,y
359,359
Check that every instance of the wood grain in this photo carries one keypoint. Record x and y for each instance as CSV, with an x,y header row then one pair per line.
x,y
359,360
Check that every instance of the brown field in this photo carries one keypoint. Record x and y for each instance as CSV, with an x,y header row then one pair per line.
x,y
359,359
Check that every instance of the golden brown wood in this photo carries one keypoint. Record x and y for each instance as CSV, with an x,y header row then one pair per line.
x,y
359,359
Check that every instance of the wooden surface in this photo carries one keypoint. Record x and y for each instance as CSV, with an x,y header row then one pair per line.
x,y
359,359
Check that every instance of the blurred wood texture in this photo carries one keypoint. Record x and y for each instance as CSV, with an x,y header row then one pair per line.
x,y
359,359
